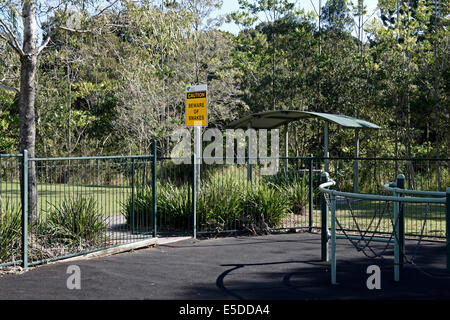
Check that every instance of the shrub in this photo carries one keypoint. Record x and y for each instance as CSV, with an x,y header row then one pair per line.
x,y
297,190
10,230
220,202
141,207
173,207
265,207
74,222
225,201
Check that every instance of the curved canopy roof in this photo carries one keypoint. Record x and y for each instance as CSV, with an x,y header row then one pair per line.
x,y
275,119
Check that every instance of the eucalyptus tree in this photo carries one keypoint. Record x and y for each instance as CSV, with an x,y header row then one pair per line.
x,y
23,28
264,16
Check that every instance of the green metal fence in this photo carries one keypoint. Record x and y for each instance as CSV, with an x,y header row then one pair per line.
x,y
82,205
85,204
232,194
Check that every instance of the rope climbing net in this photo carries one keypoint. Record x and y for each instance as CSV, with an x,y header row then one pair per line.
x,y
389,209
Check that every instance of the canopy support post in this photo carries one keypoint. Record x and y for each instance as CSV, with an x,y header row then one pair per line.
x,y
356,165
286,146
325,143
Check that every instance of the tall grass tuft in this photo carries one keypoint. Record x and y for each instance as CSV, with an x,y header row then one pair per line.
x,y
220,203
296,188
10,231
174,206
265,207
75,222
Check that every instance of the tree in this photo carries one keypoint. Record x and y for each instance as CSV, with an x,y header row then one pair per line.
x,y
268,14
19,29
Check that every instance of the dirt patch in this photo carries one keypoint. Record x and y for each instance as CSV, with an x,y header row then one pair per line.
x,y
12,270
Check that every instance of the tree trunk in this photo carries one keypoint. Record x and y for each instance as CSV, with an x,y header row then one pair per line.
x,y
28,67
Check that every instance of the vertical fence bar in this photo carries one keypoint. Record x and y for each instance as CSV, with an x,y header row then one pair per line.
x,y
324,229
25,209
333,239
249,154
194,196
401,221
154,186
447,227
132,196
311,193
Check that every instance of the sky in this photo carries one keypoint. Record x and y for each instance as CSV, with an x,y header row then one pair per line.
x,y
233,5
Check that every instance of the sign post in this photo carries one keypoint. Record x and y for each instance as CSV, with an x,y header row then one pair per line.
x,y
197,117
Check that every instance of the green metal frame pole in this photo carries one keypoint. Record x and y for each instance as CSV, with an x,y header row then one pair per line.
x,y
396,240
447,227
324,223
401,220
286,146
25,209
154,190
333,239
194,196
356,164
311,194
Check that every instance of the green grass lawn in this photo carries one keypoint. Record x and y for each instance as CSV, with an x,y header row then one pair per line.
x,y
109,199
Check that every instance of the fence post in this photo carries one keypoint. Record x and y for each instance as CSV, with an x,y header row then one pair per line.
x,y
154,186
311,194
25,209
401,221
194,196
447,227
324,177
249,154
132,196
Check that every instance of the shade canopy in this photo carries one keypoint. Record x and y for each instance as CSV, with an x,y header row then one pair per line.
x,y
275,119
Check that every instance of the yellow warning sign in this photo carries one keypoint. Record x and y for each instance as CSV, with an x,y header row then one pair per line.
x,y
196,106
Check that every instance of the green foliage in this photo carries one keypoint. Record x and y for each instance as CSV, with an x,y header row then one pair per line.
x,y
221,203
10,230
296,188
115,88
9,124
224,202
173,205
266,205
75,222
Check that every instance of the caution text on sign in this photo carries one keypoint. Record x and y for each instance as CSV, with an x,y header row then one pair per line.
x,y
196,108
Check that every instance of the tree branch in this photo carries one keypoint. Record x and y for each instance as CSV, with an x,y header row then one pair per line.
x,y
75,30
12,40
46,41
44,45
8,88
106,8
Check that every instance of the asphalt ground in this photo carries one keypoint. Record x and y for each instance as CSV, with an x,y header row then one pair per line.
x,y
274,267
